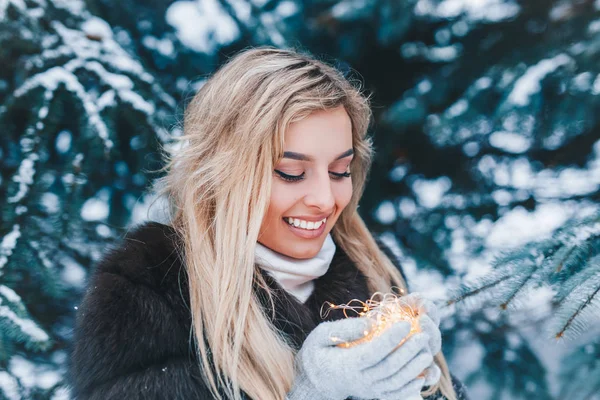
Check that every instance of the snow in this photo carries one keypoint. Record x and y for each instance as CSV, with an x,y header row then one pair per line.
x,y
545,184
473,10
123,85
483,83
398,173
386,212
407,207
63,142
95,56
97,27
269,22
24,177
202,25
107,99
150,207
96,208
32,375
596,85
585,232
116,81
510,142
286,9
9,387
519,226
529,83
111,53
242,9
349,9
137,102
470,355
424,86
8,244
430,192
164,46
443,53
76,7
103,231
9,294
73,273
583,81
41,254
428,282
458,108
55,76
471,148
431,53
18,4
27,326
62,393
502,197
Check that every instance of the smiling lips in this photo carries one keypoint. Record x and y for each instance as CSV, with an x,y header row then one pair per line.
x,y
308,225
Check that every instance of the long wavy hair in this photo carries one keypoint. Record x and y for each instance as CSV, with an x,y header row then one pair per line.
x,y
218,186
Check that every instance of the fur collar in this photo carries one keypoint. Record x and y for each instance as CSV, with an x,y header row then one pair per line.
x,y
158,263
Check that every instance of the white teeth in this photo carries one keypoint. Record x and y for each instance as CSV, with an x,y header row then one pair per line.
x,y
308,225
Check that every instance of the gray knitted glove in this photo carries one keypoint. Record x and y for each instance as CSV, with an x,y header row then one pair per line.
x,y
376,369
429,322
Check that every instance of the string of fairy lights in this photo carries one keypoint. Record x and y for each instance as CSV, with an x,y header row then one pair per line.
x,y
383,310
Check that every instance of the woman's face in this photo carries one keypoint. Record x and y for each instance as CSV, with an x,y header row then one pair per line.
x,y
311,183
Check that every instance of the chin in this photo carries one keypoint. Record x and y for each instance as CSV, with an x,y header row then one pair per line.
x,y
303,254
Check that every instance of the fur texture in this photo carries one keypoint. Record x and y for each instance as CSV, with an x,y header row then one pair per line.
x,y
133,327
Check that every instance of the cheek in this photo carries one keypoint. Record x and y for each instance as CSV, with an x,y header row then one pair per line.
x,y
282,199
343,194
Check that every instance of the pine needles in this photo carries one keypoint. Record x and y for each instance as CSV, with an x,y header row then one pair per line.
x,y
569,263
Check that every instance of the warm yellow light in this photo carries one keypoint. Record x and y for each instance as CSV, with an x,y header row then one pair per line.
x,y
383,310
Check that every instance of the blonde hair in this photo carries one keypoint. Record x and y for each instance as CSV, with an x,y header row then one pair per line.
x,y
218,183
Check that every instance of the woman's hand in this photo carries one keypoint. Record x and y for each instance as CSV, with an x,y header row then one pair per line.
x,y
429,322
376,369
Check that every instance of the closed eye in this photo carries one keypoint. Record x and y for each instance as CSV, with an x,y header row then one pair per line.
x,y
296,178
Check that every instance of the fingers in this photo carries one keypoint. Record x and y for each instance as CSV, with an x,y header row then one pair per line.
x,y
381,346
332,333
395,361
427,306
432,375
407,374
435,336
411,390
431,310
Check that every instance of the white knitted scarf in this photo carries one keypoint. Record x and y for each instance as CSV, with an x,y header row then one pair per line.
x,y
295,275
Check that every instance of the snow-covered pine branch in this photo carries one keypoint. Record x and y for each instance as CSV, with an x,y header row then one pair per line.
x,y
569,262
80,117
580,372
16,324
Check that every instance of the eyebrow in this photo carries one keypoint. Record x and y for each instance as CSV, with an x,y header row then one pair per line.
x,y
304,157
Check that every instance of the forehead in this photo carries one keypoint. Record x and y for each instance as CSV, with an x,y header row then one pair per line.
x,y
321,133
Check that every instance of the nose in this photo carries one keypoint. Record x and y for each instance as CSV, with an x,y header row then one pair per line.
x,y
320,193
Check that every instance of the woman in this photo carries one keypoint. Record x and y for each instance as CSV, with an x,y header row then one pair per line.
x,y
225,300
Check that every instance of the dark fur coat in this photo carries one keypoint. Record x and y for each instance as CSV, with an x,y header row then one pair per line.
x,y
132,331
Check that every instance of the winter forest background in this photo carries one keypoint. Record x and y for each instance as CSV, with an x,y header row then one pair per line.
x,y
486,182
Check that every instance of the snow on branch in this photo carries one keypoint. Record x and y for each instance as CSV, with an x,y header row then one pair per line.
x,y
569,263
16,323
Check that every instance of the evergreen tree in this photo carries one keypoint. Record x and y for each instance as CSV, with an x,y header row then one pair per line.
x,y
80,118
485,128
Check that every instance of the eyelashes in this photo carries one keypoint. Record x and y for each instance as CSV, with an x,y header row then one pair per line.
x,y
296,178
